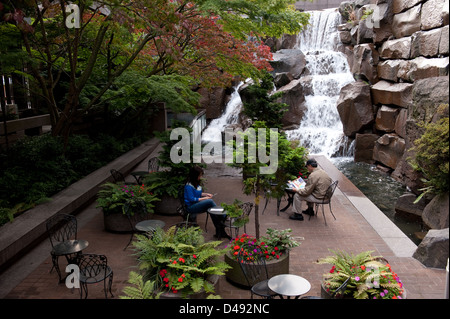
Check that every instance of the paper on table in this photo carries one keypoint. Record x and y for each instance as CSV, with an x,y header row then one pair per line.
x,y
296,184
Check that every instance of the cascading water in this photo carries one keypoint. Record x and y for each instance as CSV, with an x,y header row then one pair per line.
x,y
327,70
213,133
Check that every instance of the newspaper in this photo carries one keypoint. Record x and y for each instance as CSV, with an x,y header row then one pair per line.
x,y
297,184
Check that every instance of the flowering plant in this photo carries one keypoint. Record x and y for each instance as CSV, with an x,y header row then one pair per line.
x,y
120,195
371,277
273,245
179,260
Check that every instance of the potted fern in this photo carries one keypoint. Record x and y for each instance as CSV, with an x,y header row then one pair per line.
x,y
371,277
118,199
180,262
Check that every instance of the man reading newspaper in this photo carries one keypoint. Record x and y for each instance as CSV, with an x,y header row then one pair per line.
x,y
315,186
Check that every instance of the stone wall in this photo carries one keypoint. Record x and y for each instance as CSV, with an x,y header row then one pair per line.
x,y
399,50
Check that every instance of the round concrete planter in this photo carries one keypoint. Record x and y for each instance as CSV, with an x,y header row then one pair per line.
x,y
116,221
167,205
274,267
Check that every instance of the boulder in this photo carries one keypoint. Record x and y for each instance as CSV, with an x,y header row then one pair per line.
x,y
288,60
433,250
355,107
427,95
396,49
421,68
365,60
426,43
281,79
213,100
389,150
387,93
443,44
404,171
382,29
364,145
388,70
435,215
400,123
405,205
433,14
385,119
406,23
294,97
402,5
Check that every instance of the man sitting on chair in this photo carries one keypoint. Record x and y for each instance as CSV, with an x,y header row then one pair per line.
x,y
315,188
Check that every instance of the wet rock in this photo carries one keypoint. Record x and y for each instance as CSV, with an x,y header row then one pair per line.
x,y
389,150
436,214
434,248
294,97
355,107
289,60
364,145
405,205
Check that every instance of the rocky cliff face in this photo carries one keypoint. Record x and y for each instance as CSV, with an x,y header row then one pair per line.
x,y
399,50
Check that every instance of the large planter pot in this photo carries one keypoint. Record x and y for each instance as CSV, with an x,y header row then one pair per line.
x,y
167,205
214,279
116,221
274,267
326,295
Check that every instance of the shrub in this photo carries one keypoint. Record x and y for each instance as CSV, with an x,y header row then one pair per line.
x,y
432,157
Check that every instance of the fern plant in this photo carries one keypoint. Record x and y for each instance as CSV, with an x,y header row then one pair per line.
x,y
370,276
179,260
140,289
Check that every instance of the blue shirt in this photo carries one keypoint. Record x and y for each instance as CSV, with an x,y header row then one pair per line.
x,y
191,195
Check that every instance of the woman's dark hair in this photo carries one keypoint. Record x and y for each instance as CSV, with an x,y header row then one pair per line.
x,y
194,173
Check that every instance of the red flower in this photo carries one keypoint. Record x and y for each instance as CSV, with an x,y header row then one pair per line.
x,y
181,259
332,269
195,256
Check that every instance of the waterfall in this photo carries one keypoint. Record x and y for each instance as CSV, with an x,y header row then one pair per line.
x,y
321,129
213,133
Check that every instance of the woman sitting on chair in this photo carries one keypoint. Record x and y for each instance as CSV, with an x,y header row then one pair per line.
x,y
198,202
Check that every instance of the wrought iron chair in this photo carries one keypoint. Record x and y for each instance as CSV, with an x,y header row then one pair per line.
x,y
132,213
153,166
61,228
119,178
182,209
93,269
230,222
255,271
325,200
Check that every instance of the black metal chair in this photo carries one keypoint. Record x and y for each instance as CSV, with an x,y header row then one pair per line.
x,y
153,166
94,269
230,222
119,178
182,209
255,271
325,200
61,228
132,213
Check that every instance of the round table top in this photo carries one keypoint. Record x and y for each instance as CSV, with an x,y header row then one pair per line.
x,y
149,225
217,210
289,285
70,246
